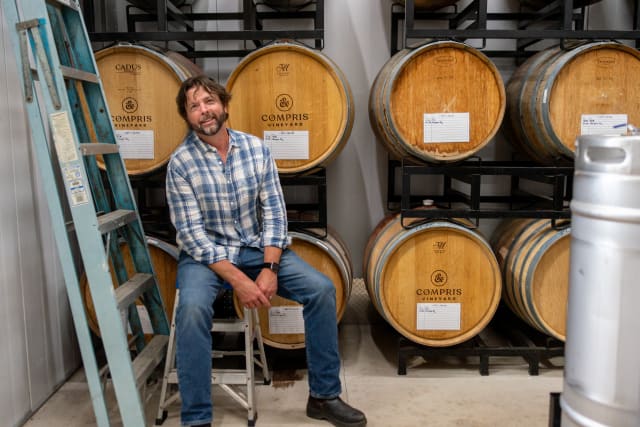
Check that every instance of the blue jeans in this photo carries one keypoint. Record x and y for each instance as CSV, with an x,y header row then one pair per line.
x,y
297,281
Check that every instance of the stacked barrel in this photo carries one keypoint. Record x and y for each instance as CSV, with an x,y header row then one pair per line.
x,y
444,101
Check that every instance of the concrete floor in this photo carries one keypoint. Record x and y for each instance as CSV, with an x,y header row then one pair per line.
x,y
446,392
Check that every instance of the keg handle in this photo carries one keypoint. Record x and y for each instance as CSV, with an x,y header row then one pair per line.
x,y
632,130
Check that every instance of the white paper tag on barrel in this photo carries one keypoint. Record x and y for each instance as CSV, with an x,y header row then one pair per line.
x,y
286,320
135,144
446,127
603,124
438,316
288,144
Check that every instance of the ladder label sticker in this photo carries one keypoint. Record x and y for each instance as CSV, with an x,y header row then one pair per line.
x,y
136,144
286,320
75,184
445,127
63,137
438,316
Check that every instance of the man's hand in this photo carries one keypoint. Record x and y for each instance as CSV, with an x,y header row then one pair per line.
x,y
250,295
267,282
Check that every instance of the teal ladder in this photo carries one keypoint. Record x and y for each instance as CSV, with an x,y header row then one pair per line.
x,y
70,129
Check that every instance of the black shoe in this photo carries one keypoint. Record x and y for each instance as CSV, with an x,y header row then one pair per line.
x,y
336,412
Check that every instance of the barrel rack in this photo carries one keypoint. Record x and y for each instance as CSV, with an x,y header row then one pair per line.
x,y
520,340
550,199
177,24
558,20
532,190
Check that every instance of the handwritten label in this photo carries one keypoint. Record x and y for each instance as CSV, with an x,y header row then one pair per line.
x,y
438,316
288,144
136,144
446,127
286,320
603,124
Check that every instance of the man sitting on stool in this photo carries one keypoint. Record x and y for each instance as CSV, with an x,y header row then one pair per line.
x,y
228,209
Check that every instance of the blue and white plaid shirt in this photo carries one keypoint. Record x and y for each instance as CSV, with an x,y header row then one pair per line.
x,y
218,208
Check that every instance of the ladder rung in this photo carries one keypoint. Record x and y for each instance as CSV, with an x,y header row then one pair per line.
x,y
228,325
132,289
229,376
149,358
76,74
115,219
95,148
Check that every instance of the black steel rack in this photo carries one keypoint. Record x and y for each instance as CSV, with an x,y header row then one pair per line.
x,y
177,24
558,20
519,340
309,214
549,200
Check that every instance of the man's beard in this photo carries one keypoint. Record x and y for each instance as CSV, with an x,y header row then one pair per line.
x,y
212,129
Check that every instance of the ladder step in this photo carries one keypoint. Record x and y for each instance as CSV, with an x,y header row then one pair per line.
x,y
76,74
228,325
218,376
127,293
96,148
115,219
149,358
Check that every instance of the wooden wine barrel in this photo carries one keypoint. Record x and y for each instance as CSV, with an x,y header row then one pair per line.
x,y
442,101
164,257
328,255
539,4
437,283
431,5
297,100
550,94
534,261
141,84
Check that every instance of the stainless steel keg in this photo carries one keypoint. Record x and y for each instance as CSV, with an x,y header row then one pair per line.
x,y
602,352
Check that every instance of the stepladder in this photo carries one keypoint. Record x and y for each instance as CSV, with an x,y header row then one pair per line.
x,y
238,381
91,202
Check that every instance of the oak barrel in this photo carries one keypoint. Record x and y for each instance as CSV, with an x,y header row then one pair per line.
x,y
297,100
534,261
330,256
164,257
439,102
141,84
437,283
553,93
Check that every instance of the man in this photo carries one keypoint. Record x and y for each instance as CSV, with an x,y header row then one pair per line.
x,y
227,206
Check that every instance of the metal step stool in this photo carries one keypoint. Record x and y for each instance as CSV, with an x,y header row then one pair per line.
x,y
238,383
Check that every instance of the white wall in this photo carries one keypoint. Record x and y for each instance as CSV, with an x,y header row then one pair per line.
x,y
38,349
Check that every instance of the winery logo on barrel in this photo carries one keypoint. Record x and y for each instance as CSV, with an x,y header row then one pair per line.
x,y
284,102
286,119
282,69
128,68
606,61
439,278
130,105
439,246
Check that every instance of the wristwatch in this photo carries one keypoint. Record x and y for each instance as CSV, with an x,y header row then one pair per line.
x,y
273,266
